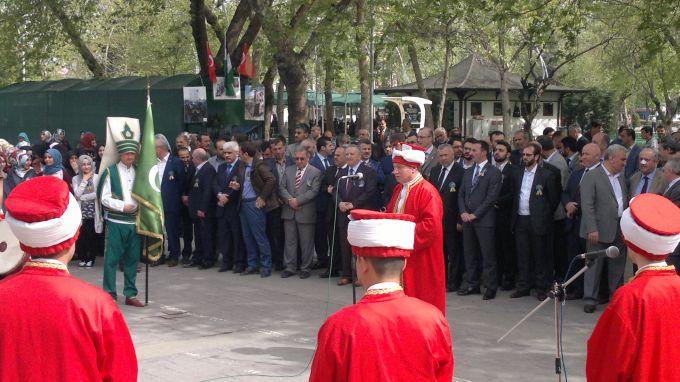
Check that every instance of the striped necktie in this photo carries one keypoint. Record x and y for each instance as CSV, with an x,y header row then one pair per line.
x,y
298,178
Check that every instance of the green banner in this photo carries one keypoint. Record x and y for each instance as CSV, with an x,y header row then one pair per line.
x,y
147,192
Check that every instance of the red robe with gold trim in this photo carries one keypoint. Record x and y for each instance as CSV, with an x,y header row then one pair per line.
x,y
385,337
54,327
638,336
424,276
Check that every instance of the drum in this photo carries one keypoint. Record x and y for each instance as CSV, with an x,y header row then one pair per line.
x,y
11,255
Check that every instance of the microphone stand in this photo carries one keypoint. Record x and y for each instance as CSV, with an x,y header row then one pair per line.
x,y
353,260
558,295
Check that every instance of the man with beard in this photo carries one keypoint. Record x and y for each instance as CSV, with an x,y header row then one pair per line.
x,y
505,241
466,160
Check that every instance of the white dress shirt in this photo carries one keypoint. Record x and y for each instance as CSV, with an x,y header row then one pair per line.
x,y
161,167
127,180
618,192
525,191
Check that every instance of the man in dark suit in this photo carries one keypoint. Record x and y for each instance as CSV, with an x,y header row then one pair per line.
x,y
322,160
230,242
519,140
187,223
202,210
671,173
505,240
328,186
571,199
171,174
366,158
277,165
627,137
447,177
478,193
535,201
353,193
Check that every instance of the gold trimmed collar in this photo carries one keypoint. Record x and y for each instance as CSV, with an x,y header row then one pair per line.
x,y
40,264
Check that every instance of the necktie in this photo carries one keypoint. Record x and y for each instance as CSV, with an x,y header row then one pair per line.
x,y
298,178
442,176
325,163
349,181
645,185
228,170
475,176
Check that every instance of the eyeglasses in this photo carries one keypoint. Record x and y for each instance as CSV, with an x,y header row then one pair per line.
x,y
299,159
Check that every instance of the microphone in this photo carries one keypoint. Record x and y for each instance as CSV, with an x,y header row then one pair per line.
x,y
612,252
358,175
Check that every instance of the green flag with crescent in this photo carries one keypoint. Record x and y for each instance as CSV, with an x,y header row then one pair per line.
x,y
147,191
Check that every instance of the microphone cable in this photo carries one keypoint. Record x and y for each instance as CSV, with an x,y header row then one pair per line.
x,y
328,303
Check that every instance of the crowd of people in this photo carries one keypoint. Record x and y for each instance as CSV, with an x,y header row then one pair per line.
x,y
516,212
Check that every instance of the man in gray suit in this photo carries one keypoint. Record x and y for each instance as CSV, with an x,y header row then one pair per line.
x,y
648,178
476,198
298,188
603,199
426,139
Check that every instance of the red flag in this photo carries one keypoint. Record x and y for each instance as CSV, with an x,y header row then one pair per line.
x,y
211,66
246,69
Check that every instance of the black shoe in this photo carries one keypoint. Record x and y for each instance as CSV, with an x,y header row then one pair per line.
x,y
190,264
205,266
186,260
238,270
286,274
489,294
265,273
326,274
225,268
249,271
304,274
541,296
519,293
589,308
468,291
172,262
319,266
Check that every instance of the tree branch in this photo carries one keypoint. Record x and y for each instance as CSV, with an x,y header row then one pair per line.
x,y
331,15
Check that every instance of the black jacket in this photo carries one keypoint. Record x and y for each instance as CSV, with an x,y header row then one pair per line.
x,y
221,185
201,197
362,193
543,199
448,190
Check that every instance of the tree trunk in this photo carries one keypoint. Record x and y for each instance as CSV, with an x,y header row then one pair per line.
x,y
280,109
445,79
413,55
294,75
74,35
363,62
198,30
328,95
268,83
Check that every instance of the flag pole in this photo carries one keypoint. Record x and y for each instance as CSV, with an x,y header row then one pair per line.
x,y
146,239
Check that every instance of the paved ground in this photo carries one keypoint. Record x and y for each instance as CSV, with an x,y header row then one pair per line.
x,y
210,326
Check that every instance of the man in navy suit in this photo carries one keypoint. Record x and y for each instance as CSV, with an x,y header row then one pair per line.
x,y
322,160
627,137
230,243
189,170
353,194
202,205
171,175
366,149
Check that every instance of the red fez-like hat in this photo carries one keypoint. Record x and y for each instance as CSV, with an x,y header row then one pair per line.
x,y
408,154
651,226
379,234
43,215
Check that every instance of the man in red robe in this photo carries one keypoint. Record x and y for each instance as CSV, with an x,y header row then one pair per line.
x,y
637,337
425,275
387,336
54,327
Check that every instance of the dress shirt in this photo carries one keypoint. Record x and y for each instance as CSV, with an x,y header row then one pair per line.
x,y
446,171
324,160
501,166
161,167
477,171
280,166
248,190
641,183
403,195
591,168
127,180
618,193
525,191
215,162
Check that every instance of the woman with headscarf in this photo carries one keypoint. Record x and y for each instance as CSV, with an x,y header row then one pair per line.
x,y
88,145
98,157
85,191
21,171
23,142
60,136
54,166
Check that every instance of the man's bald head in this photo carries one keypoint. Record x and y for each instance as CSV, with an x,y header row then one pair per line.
x,y
590,155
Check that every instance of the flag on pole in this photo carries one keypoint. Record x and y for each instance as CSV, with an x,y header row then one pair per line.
x,y
246,69
147,191
211,66
228,75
